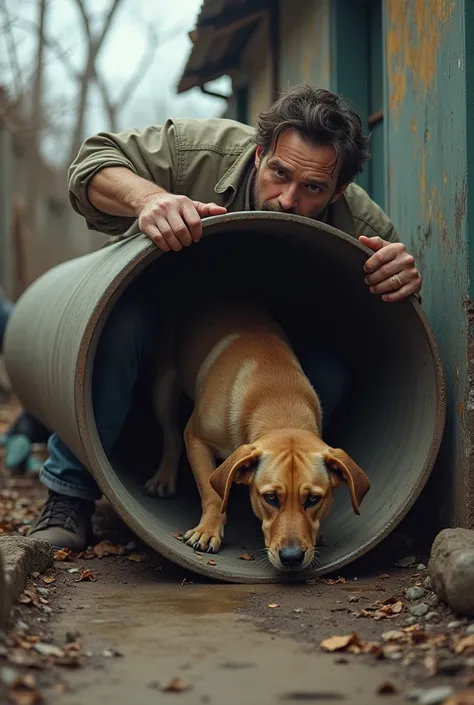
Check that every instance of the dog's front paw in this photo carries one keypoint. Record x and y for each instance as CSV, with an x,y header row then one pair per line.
x,y
208,535
162,484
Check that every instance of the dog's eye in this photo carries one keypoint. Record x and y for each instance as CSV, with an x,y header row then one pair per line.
x,y
271,498
313,500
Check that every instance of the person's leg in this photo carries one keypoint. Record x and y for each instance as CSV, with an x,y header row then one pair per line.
x,y
128,337
6,308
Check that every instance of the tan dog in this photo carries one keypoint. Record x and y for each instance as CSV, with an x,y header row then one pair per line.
x,y
255,410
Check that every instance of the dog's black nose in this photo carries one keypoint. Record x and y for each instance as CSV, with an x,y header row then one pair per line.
x,y
291,557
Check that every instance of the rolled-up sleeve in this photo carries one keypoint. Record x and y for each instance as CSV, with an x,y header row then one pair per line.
x,y
149,153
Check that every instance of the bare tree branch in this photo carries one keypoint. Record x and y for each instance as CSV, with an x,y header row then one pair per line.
x,y
12,51
37,98
94,46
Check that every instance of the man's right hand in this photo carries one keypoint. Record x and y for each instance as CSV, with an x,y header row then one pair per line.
x,y
173,222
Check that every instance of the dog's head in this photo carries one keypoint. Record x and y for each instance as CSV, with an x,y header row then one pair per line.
x,y
291,475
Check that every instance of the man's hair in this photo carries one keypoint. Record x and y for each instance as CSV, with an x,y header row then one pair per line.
x,y
321,117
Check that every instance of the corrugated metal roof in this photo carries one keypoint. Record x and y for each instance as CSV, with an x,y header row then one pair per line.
x,y
222,30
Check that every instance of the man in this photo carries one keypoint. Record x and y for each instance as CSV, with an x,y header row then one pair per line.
x,y
307,150
25,430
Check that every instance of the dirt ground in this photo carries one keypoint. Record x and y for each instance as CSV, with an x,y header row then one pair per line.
x,y
119,624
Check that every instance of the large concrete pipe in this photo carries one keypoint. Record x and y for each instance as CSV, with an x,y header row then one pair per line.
x,y
391,422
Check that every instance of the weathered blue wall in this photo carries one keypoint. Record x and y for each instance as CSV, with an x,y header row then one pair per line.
x,y
428,192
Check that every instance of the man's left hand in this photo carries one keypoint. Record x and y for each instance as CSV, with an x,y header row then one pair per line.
x,y
391,271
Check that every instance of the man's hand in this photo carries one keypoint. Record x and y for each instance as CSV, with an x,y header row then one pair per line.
x,y
173,222
391,271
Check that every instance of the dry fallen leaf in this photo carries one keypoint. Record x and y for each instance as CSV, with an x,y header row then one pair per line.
x,y
211,561
175,685
246,557
430,663
138,557
107,548
48,579
464,643
62,554
394,635
337,581
340,643
386,688
24,696
462,697
86,576
272,605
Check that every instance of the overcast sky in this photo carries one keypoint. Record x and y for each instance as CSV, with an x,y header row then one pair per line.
x,y
154,100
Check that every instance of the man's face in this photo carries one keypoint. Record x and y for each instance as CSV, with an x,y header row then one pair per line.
x,y
297,177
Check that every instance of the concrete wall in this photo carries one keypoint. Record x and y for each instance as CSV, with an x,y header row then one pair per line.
x,y
305,43
429,108
257,69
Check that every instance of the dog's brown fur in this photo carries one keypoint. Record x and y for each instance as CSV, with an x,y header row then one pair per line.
x,y
255,410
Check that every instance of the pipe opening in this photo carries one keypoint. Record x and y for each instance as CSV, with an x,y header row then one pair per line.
x,y
390,413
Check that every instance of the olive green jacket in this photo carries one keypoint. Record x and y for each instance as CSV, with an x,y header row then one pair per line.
x,y
209,160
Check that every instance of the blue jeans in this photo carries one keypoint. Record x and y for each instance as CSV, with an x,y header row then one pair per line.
x,y
128,338
6,307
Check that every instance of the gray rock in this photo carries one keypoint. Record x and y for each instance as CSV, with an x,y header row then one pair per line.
x,y
433,600
354,598
409,621
470,629
470,662
451,568
455,624
415,593
451,665
427,584
433,617
419,610
19,556
421,566
433,696
406,562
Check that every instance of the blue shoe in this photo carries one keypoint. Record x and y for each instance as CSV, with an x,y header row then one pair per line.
x,y
17,452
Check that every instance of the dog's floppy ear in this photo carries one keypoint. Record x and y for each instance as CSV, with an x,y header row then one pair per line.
x,y
234,469
343,469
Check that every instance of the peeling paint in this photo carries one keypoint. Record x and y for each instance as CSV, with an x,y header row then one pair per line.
x,y
414,32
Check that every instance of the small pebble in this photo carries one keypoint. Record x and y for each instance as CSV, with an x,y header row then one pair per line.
x,y
470,662
46,609
8,676
433,696
43,592
427,584
131,546
455,624
433,600
406,562
421,566
298,610
451,665
354,598
415,593
21,626
470,629
433,617
419,610
72,636
410,620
